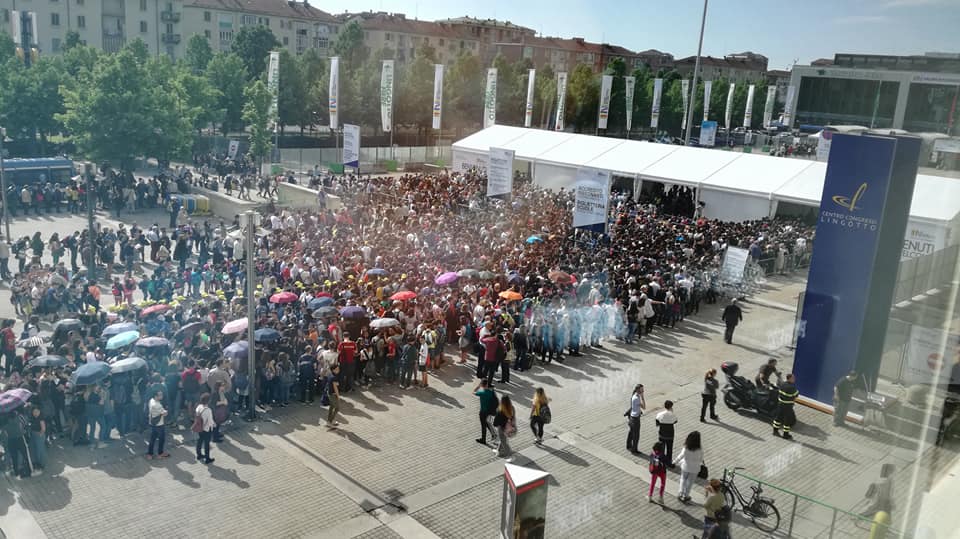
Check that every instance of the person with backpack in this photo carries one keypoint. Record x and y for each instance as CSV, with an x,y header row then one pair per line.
x,y
716,519
539,414
241,382
394,343
408,361
506,422
333,396
307,370
658,471
190,381
203,425
15,449
521,349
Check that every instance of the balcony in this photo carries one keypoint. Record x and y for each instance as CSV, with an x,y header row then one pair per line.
x,y
170,16
170,39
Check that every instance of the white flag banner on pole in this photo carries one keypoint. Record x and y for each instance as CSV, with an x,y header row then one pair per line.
x,y
561,100
351,145
630,85
591,199
499,172
655,111
707,86
273,85
334,90
606,85
748,109
386,96
685,90
729,112
490,99
788,106
528,109
768,106
437,95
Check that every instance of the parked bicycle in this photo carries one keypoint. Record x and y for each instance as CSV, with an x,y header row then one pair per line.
x,y
760,510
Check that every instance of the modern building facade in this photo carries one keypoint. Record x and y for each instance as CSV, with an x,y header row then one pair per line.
x,y
916,93
166,25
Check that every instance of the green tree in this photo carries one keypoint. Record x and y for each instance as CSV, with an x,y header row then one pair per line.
x,y
71,40
7,48
198,53
30,100
139,50
583,94
293,92
314,73
349,46
256,113
617,119
228,76
197,98
463,92
79,62
253,45
366,84
169,112
415,93
545,98
511,90
641,99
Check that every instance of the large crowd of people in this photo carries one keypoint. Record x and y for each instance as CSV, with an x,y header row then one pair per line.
x,y
414,272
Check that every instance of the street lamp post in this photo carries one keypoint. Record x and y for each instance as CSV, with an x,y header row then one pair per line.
x,y
696,73
3,184
91,234
251,223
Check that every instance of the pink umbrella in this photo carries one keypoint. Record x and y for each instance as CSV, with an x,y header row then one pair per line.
x,y
446,278
283,297
158,308
234,326
403,295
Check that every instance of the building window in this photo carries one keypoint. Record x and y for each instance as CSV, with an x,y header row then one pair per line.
x,y
6,15
286,40
528,52
169,28
79,2
206,34
441,42
143,5
388,36
55,42
322,43
248,20
54,19
206,16
264,21
143,27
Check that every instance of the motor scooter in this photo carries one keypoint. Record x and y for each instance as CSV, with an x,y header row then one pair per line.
x,y
742,393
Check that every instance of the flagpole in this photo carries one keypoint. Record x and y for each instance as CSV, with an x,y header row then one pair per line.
x,y
696,73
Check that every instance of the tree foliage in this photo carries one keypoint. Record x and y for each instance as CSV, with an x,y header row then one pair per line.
x,y
583,95
253,45
415,95
198,53
227,75
256,113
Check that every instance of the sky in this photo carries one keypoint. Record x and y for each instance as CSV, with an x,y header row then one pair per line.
x,y
787,32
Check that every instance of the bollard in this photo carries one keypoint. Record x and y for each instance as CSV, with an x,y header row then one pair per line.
x,y
881,521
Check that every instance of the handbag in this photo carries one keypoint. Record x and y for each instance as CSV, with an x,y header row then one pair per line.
x,y
704,472
510,429
197,424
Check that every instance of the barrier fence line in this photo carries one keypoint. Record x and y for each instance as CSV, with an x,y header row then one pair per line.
x,y
870,523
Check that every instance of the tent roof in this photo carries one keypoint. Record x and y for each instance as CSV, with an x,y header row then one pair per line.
x,y
755,174
577,151
689,166
806,187
935,198
632,157
535,142
497,136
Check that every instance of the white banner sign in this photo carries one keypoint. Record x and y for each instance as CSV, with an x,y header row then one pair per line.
x,y
685,90
923,239
708,133
768,106
606,84
824,140
528,109
788,106
499,172
234,148
437,94
351,145
386,96
561,100
655,110
630,85
729,112
490,99
273,85
707,87
748,109
591,198
333,90
734,262
927,360
467,161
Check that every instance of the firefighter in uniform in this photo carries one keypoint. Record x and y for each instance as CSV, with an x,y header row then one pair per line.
x,y
785,419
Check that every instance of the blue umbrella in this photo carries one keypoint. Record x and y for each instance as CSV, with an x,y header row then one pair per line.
x,y
14,398
265,335
90,373
316,303
353,312
118,328
378,271
534,239
152,342
123,339
237,350
129,364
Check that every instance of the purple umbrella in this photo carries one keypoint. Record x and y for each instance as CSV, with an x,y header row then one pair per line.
x,y
446,278
353,311
13,399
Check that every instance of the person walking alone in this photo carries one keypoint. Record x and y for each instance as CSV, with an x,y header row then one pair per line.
x,y
658,471
666,423
732,315
690,459
709,395
506,423
205,423
637,405
539,414
158,433
333,395
786,418
488,407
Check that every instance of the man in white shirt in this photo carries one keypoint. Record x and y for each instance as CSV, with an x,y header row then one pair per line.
x,y
158,432
666,420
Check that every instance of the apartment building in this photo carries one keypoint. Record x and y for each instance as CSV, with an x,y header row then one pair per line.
x,y
297,25
742,67
559,53
403,35
104,24
654,60
490,32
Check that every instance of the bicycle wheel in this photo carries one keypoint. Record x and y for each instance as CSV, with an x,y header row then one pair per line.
x,y
728,498
764,515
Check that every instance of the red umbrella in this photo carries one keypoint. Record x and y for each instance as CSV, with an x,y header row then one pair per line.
x,y
560,277
323,295
158,308
283,297
403,295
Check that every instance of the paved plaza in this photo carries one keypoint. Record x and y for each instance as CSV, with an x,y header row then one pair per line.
x,y
404,462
